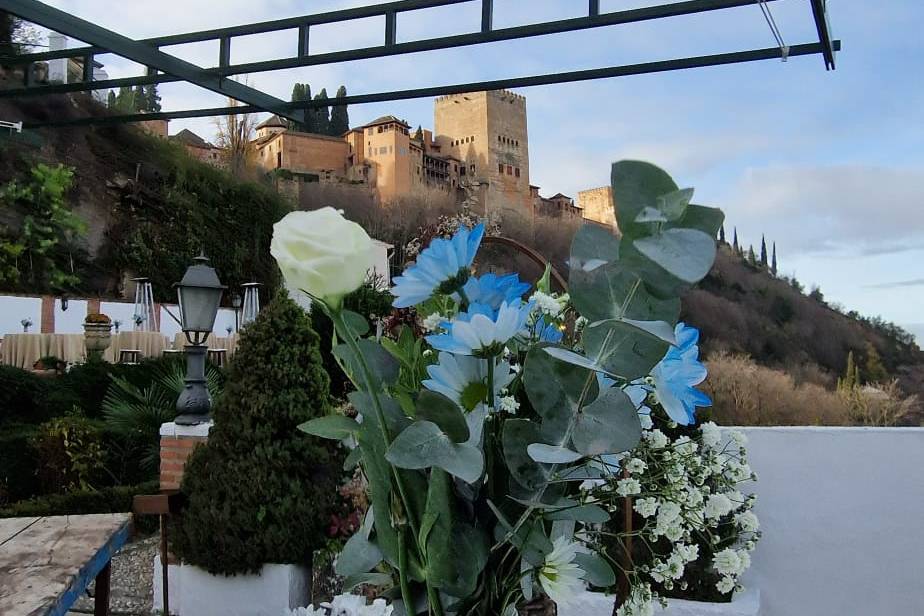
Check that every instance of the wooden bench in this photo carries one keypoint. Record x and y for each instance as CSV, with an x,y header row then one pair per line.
x,y
46,563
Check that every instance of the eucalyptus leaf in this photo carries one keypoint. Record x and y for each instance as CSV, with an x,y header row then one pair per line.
x,y
530,538
687,254
335,427
518,435
597,572
609,424
637,185
359,555
445,413
383,367
423,444
357,323
395,418
658,329
592,247
552,454
555,389
590,514
673,205
573,358
614,291
706,219
624,349
353,458
650,214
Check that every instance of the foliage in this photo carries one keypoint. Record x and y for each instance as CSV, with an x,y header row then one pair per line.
x,y
16,36
42,254
339,116
135,414
97,317
69,454
235,138
18,462
472,472
322,114
302,92
260,491
21,394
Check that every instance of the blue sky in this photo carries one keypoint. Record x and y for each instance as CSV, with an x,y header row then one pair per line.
x,y
830,165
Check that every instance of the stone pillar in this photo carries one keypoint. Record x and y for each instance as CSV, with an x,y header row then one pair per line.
x,y
176,443
47,326
93,305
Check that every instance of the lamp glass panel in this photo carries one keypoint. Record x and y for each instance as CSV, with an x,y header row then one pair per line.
x,y
198,307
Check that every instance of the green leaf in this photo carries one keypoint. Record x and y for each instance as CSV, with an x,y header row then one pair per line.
x,y
590,514
575,359
552,454
530,538
394,416
674,204
597,572
423,444
592,247
637,185
609,424
687,254
630,352
554,388
658,329
356,322
604,293
445,413
359,555
706,219
383,367
335,427
518,435
353,459
650,214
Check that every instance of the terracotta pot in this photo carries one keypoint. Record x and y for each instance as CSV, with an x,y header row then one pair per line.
x,y
97,337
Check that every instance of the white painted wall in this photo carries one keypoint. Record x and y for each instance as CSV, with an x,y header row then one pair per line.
x,y
70,321
120,311
842,510
14,309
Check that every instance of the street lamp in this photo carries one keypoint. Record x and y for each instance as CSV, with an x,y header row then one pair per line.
x,y
199,294
236,302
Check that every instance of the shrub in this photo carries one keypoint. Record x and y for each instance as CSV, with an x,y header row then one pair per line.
x,y
17,462
69,454
21,392
259,490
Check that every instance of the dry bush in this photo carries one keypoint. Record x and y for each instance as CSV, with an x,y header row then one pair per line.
x,y
747,394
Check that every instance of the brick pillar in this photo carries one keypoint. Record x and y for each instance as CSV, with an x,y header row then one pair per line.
x,y
176,443
47,325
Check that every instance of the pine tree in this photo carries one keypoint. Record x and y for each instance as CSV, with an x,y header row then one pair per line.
x,y
722,233
151,98
873,369
339,115
260,491
418,134
138,101
763,250
773,261
322,114
735,246
111,99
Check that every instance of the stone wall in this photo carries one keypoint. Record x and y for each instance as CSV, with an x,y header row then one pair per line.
x,y
597,205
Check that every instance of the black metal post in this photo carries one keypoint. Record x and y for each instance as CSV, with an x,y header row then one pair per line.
x,y
194,402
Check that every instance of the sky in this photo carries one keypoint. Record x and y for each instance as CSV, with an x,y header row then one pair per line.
x,y
829,165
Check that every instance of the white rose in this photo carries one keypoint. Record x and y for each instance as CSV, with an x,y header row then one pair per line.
x,y
322,253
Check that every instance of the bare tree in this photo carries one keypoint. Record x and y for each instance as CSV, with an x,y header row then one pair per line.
x,y
234,136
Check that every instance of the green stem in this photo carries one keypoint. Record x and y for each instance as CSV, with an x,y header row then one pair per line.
x,y
491,402
366,373
402,573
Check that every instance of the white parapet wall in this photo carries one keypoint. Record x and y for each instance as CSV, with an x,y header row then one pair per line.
x,y
842,511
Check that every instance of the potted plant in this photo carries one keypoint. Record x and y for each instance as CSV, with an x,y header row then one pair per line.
x,y
49,365
97,328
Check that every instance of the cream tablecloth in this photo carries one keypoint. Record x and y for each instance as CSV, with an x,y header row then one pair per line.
x,y
23,350
151,344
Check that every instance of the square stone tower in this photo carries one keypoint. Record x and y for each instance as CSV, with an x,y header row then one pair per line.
x,y
487,131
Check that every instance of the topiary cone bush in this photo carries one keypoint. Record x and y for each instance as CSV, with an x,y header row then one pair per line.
x,y
260,491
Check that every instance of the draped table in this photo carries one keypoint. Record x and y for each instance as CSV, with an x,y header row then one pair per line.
x,y
151,344
23,350
229,343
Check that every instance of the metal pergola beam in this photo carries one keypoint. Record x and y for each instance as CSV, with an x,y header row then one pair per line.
x,y
593,20
754,55
145,54
820,13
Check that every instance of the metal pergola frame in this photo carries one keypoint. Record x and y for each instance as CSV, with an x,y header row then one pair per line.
x,y
164,67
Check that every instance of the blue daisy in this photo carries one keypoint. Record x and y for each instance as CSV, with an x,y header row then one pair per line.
x,y
676,377
480,331
464,379
443,267
493,290
547,332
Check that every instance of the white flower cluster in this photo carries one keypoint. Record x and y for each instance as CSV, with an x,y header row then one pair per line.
x,y
686,489
432,321
346,605
552,305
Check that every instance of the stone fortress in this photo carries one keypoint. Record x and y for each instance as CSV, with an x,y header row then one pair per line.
x,y
479,147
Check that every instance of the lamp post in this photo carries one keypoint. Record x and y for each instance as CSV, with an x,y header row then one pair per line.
x,y
236,302
199,294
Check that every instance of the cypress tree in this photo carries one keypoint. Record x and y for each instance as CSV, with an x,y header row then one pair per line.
x,y
773,262
311,125
151,98
339,115
735,245
722,233
322,114
298,94
111,99
763,250
752,259
418,134
873,370
138,101
260,491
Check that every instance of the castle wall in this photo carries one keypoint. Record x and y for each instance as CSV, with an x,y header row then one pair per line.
x,y
597,204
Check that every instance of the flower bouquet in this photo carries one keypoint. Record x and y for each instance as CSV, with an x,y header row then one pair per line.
x,y
476,438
